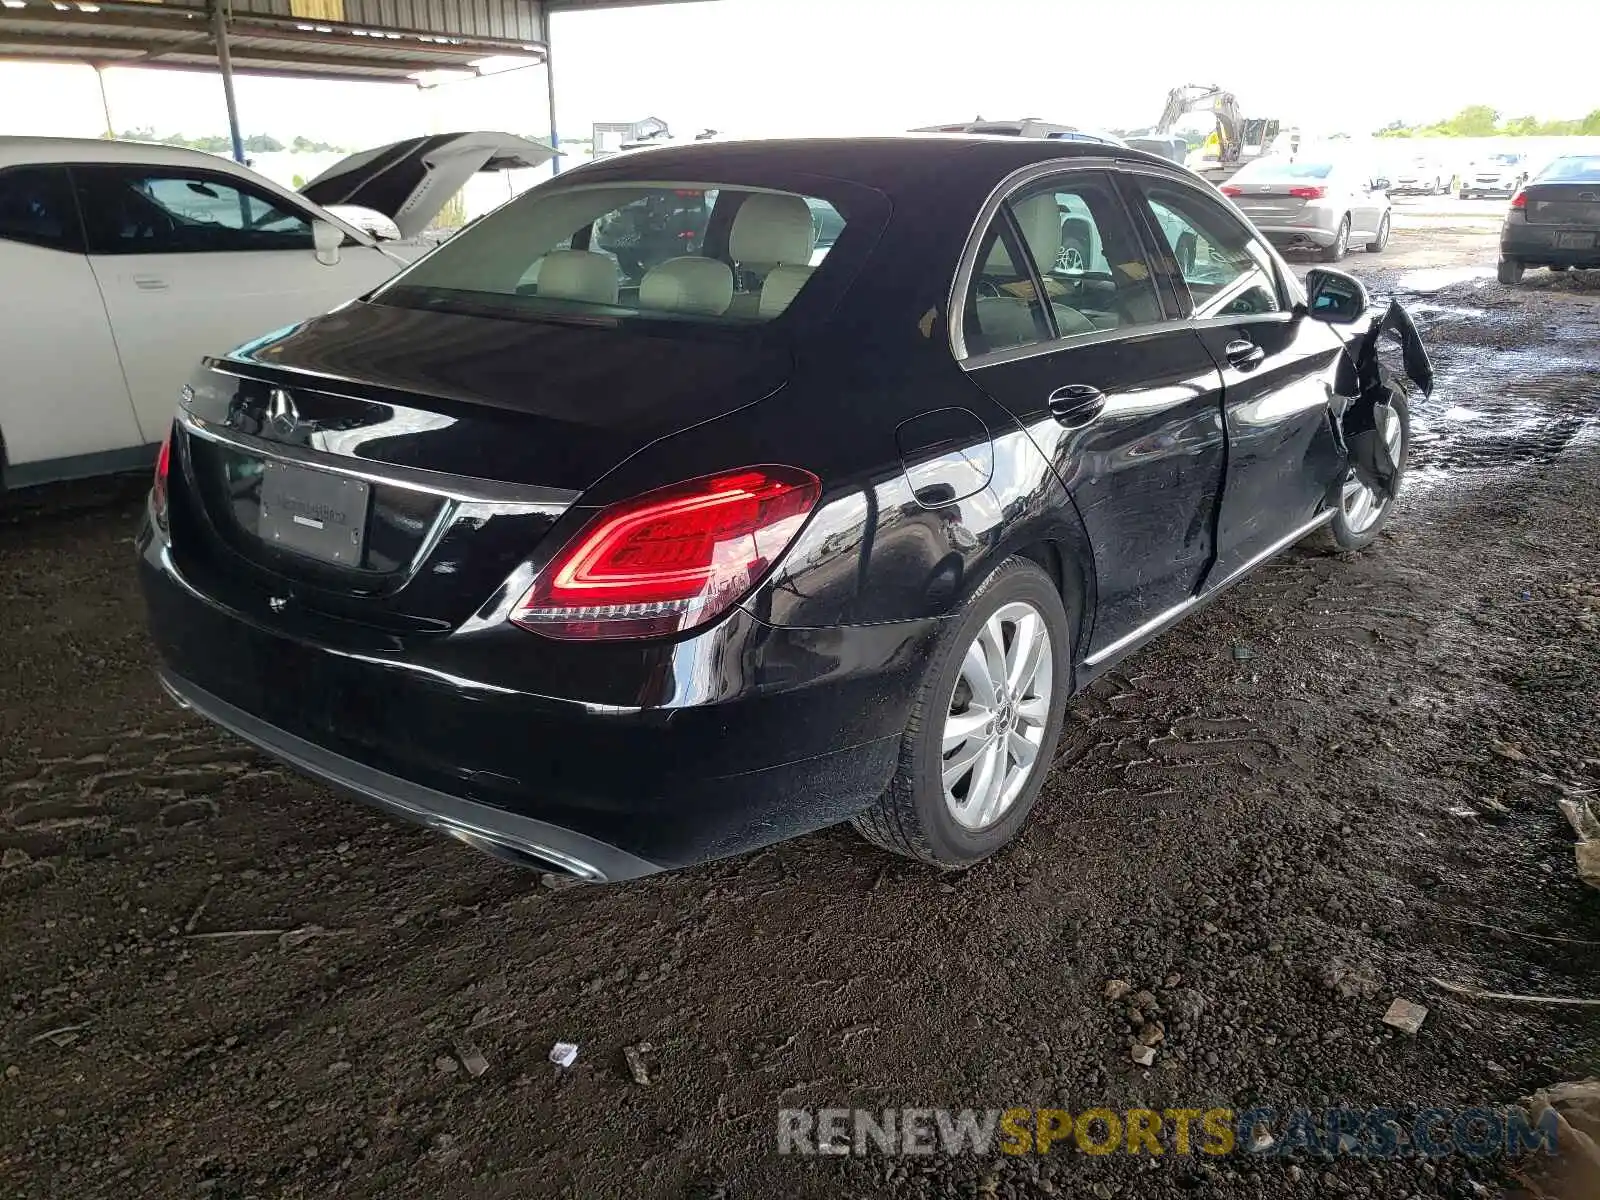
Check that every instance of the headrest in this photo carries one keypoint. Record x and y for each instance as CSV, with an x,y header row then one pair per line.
x,y
578,275
696,285
771,228
1041,229
782,284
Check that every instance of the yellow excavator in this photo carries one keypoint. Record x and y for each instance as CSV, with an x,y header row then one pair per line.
x,y
1236,140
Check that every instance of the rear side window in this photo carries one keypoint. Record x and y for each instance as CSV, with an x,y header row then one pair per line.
x,y
1072,236
698,252
164,211
36,209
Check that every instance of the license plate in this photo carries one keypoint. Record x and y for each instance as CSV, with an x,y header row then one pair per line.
x,y
1575,241
314,513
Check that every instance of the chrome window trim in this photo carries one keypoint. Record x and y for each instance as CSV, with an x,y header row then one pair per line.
x,y
991,358
505,497
955,300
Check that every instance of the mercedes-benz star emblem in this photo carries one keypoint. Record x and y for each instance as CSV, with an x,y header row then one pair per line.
x,y
281,412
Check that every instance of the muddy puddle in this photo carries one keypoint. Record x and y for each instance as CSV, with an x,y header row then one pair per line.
x,y
1513,386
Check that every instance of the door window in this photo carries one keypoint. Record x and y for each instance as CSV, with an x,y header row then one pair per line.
x,y
1094,269
1078,239
1003,308
1223,267
160,211
36,208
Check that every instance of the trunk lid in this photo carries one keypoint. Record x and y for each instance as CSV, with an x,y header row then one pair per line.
x,y
1563,204
391,467
1269,201
411,181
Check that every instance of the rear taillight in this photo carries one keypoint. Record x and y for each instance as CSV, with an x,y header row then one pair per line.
x,y
1520,200
671,559
1231,189
158,486
1308,193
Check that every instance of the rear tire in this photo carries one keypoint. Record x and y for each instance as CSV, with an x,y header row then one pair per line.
x,y
1341,243
1376,246
959,823
1509,271
1355,527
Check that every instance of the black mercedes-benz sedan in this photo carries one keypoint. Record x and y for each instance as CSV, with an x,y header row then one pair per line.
x,y
612,565
1554,219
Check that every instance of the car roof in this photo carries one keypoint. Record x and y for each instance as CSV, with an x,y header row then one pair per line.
x,y
885,162
16,150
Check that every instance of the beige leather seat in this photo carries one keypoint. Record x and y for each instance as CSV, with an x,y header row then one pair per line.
x,y
688,285
578,275
772,230
1008,320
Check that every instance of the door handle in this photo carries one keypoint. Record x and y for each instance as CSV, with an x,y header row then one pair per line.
x,y
150,283
1076,404
1244,354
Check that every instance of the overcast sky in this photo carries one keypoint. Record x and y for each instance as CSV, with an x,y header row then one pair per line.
x,y
757,67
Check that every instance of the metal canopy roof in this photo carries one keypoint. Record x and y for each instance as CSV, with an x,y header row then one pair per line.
x,y
364,40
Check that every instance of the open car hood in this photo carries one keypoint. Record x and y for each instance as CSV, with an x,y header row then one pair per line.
x,y
410,181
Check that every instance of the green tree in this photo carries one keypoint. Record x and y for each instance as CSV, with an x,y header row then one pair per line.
x,y
1394,129
1475,120
1591,124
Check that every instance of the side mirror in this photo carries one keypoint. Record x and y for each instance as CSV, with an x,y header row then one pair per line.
x,y
368,220
1334,297
1380,184
327,238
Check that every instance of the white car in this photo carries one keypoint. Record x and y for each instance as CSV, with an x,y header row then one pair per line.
x,y
1496,175
1421,177
124,264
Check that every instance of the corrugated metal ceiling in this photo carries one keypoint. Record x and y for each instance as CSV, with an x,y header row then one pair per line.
x,y
328,39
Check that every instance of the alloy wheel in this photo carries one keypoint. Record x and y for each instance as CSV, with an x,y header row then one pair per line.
x,y
996,719
1363,505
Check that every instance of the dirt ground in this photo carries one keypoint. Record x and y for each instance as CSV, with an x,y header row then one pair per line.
x,y
1336,784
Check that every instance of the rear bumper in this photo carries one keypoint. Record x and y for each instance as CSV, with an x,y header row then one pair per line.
x,y
746,735
493,830
1540,244
1296,237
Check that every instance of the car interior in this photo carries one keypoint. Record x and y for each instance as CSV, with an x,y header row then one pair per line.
x,y
756,251
1083,248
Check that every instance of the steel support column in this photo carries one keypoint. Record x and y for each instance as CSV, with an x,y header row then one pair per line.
x,y
219,34
550,89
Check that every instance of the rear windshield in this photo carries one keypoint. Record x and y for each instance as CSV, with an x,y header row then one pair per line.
x,y
1579,168
693,252
1264,170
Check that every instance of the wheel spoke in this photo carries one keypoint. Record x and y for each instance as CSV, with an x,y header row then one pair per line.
x,y
1022,751
975,670
1023,660
1033,710
958,764
958,727
993,640
988,782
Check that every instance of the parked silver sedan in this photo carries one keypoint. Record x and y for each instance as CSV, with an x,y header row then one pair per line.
x,y
1314,204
